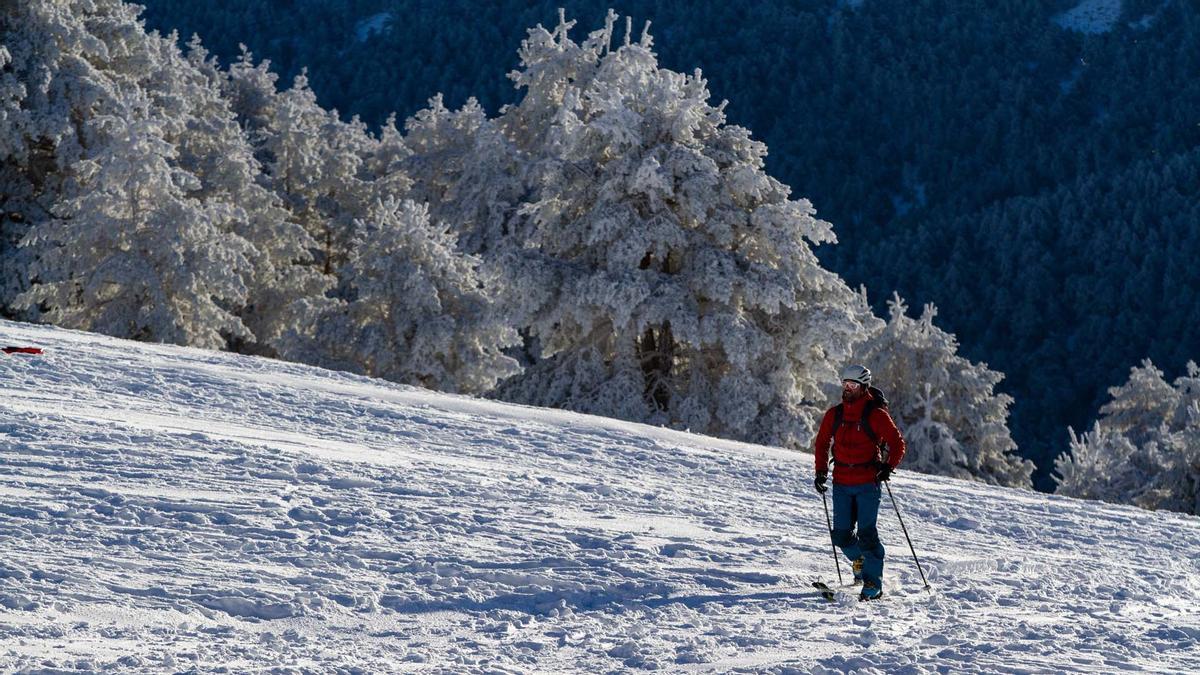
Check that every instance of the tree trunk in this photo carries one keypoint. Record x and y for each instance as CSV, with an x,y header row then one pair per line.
x,y
657,354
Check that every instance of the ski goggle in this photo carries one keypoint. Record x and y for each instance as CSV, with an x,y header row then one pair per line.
x,y
851,384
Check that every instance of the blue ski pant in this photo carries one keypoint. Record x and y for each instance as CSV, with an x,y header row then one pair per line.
x,y
855,514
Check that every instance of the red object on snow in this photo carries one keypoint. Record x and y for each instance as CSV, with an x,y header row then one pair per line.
x,y
22,350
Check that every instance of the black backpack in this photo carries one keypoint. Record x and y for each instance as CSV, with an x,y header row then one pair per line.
x,y
877,400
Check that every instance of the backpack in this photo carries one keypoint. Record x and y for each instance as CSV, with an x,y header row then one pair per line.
x,y
877,400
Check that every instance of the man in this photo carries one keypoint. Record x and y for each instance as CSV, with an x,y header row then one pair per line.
x,y
863,428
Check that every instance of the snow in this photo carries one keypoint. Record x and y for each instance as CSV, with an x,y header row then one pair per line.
x,y
164,508
1091,16
1147,20
377,23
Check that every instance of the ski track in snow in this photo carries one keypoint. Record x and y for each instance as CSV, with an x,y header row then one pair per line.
x,y
166,509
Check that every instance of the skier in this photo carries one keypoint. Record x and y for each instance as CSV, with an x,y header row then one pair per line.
x,y
859,428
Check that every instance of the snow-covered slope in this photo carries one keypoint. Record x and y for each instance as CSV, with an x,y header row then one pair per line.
x,y
165,509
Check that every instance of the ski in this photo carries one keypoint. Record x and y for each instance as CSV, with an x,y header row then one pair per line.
x,y
831,594
825,591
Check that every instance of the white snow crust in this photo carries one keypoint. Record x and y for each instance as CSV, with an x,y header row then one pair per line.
x,y
1091,16
166,509
375,23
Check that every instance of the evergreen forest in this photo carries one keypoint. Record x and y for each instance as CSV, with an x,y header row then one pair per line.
x,y
1038,184
440,194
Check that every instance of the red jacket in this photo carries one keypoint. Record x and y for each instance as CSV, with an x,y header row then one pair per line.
x,y
852,445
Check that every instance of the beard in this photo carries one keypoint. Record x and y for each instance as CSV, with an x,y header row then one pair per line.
x,y
852,396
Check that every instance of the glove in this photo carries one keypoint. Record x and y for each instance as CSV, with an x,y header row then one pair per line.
x,y
884,472
819,482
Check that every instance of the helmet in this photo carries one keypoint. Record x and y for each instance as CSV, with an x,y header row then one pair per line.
x,y
857,373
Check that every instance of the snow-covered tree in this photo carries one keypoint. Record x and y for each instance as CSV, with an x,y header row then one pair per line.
x,y
681,287
1142,405
252,91
117,242
410,309
129,254
934,449
475,180
313,160
954,421
385,162
16,188
185,204
214,147
469,173
1088,471
12,93
47,82
316,163
1145,447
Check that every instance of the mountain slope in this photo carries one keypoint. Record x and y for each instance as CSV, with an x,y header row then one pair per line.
x,y
165,509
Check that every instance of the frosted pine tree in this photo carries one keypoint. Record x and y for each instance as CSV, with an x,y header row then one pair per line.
x,y
117,243
474,179
682,286
15,119
403,303
1104,464
17,188
385,163
313,160
12,93
954,421
1142,405
934,449
1177,488
1145,447
46,83
252,91
213,146
469,173
129,254
410,309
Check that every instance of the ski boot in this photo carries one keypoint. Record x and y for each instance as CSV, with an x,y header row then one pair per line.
x,y
870,591
856,565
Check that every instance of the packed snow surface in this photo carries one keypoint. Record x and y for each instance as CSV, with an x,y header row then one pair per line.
x,y
1091,16
165,509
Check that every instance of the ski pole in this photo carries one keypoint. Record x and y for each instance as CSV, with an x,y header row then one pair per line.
x,y
905,529
829,524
